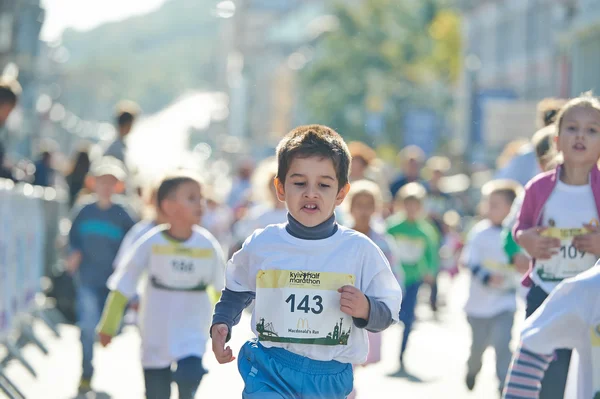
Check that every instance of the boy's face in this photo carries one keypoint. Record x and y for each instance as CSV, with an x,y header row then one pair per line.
x,y
498,208
186,205
5,110
413,208
363,208
105,186
311,190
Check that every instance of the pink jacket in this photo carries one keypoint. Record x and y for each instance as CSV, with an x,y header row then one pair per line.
x,y
537,192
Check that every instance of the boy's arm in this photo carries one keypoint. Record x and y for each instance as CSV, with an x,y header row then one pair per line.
x,y
383,294
471,259
75,245
123,286
238,292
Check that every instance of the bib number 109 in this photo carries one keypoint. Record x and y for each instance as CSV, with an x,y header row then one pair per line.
x,y
570,252
304,304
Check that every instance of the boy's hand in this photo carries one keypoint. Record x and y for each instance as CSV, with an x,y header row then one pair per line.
x,y
496,280
354,303
537,246
104,339
588,242
72,262
219,336
428,279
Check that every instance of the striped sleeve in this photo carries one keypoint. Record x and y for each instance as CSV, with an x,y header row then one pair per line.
x,y
525,376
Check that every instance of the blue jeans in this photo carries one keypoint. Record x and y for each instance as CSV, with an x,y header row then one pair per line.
x,y
90,302
555,378
188,375
407,313
275,373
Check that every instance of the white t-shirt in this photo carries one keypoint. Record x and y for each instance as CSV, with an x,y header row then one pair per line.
x,y
296,281
134,234
570,318
484,248
569,207
175,311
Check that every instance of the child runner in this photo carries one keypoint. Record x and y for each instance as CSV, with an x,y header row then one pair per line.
x,y
96,233
364,201
492,298
181,260
318,286
417,243
569,318
545,151
555,224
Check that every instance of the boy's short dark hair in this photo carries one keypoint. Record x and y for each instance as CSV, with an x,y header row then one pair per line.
x,y
127,112
314,141
170,183
508,188
9,92
412,192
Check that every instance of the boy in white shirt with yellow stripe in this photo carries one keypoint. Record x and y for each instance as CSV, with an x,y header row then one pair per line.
x,y
181,260
318,286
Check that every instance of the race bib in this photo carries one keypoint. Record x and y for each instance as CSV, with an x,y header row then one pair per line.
x,y
595,340
410,250
569,261
511,278
301,307
181,268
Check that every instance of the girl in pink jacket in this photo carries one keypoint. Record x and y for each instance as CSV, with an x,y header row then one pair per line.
x,y
558,221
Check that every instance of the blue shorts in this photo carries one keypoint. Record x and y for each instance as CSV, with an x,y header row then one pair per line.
x,y
275,373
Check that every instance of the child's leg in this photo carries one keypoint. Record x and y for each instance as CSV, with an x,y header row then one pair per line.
x,y
500,336
480,328
89,311
555,378
188,375
158,383
407,314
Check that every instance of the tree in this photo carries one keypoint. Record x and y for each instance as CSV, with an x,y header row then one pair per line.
x,y
384,56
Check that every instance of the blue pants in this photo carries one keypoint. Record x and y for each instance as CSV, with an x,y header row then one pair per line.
x,y
407,313
555,378
90,302
275,373
187,376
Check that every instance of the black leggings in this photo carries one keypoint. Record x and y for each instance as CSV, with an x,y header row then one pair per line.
x,y
555,379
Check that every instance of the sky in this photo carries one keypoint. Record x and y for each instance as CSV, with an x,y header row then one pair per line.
x,y
88,14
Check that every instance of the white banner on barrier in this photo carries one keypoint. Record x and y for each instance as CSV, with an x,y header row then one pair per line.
x,y
22,242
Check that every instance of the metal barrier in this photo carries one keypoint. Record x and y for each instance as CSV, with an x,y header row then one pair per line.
x,y
29,226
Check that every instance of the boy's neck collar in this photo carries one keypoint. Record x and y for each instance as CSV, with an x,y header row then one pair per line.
x,y
319,232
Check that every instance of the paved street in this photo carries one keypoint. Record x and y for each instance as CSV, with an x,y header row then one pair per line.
x,y
436,360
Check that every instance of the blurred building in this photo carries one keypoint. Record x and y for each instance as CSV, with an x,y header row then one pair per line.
x,y
272,41
20,25
523,51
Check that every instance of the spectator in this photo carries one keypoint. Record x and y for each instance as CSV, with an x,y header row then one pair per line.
x,y
44,174
76,177
524,166
127,113
9,96
411,158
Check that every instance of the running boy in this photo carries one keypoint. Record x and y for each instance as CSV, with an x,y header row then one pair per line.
x,y
492,300
569,318
417,243
181,260
96,233
318,286
557,224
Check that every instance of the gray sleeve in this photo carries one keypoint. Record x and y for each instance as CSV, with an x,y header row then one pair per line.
x,y
230,307
380,317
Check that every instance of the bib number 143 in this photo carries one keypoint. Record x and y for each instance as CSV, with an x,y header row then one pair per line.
x,y
305,304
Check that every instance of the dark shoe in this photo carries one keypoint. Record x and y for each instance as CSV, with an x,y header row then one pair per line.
x,y
470,382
